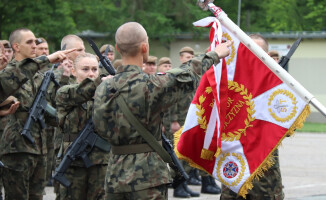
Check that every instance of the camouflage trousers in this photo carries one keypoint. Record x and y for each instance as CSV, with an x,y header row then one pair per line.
x,y
158,193
87,183
269,187
50,154
24,176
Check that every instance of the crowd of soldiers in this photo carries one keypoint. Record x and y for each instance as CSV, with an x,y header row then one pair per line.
x,y
142,96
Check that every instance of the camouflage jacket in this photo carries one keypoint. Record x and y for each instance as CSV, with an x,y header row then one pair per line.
x,y
74,108
147,96
22,80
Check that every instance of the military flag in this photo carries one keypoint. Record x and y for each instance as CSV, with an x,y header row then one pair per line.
x,y
256,111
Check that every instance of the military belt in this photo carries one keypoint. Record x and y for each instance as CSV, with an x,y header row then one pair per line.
x,y
132,149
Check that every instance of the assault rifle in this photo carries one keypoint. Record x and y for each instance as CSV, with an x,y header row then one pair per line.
x,y
103,59
80,148
182,175
40,105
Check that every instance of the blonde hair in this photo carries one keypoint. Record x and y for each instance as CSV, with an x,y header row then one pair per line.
x,y
84,55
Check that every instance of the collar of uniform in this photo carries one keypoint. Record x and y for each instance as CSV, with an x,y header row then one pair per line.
x,y
128,68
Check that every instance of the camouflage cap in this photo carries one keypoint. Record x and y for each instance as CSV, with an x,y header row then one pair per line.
x,y
151,59
188,50
273,53
5,43
164,60
40,41
103,48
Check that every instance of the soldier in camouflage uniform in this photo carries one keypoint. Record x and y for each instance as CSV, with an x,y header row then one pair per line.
x,y
24,174
135,170
110,51
8,107
270,185
110,55
71,42
74,106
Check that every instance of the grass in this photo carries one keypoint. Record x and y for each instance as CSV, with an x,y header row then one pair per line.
x,y
313,127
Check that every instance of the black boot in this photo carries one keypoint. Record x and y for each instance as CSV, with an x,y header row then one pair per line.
x,y
198,177
180,192
192,193
209,185
192,178
213,183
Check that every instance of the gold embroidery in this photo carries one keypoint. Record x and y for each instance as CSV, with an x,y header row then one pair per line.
x,y
201,110
283,107
241,173
232,53
236,135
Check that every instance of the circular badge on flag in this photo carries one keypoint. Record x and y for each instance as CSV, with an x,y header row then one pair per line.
x,y
230,169
234,167
282,105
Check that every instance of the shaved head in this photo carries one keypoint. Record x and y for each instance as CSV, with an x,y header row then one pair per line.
x,y
128,38
73,41
70,41
260,40
16,35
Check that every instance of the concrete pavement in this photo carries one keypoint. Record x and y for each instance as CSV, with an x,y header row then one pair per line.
x,y
303,168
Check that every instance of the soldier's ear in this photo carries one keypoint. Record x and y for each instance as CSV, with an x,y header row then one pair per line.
x,y
116,47
15,47
144,47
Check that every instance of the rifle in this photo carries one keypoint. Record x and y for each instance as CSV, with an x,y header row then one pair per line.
x,y
80,148
285,59
176,166
103,59
40,105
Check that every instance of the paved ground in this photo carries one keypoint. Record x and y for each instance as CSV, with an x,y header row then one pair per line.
x,y
303,167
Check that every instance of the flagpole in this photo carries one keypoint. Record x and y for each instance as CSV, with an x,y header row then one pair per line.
x,y
263,56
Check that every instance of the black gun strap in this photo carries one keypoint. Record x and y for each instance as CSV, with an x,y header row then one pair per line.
x,y
149,138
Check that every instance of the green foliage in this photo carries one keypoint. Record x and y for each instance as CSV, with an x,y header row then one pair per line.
x,y
52,19
317,14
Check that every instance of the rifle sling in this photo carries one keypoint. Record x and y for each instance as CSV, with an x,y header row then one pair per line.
x,y
149,138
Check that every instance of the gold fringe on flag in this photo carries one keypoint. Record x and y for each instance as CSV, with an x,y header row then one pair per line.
x,y
206,154
177,136
269,160
218,152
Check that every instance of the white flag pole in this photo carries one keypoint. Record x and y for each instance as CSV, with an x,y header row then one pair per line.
x,y
262,55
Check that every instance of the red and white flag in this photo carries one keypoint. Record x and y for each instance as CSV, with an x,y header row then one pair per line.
x,y
256,111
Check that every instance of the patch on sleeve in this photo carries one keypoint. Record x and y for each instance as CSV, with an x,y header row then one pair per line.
x,y
160,73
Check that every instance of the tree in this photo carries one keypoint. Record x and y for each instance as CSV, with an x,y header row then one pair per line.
x,y
48,19
317,14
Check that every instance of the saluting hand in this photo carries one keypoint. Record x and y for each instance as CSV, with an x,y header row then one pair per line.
x,y
59,55
223,50
66,65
